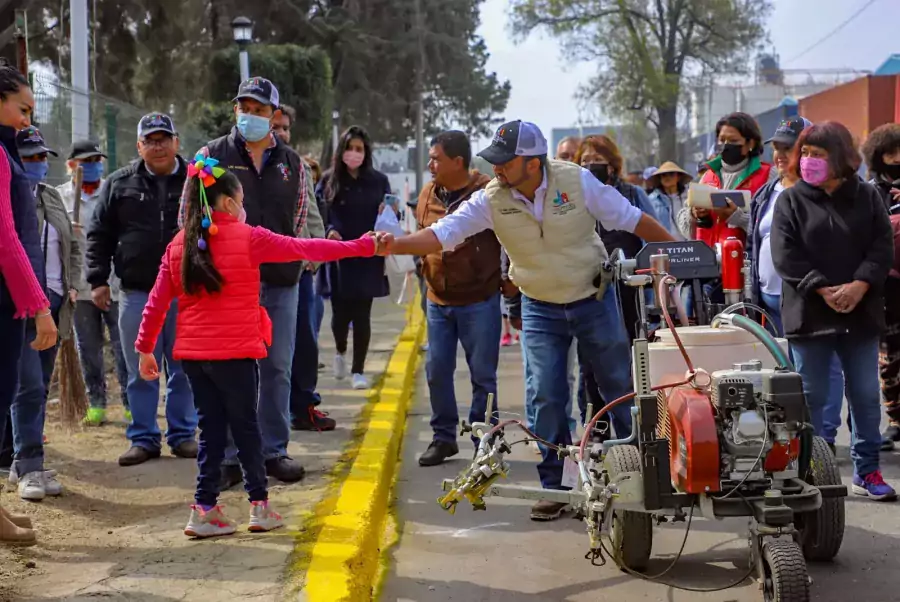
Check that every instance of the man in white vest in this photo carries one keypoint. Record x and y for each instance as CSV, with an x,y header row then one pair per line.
x,y
544,213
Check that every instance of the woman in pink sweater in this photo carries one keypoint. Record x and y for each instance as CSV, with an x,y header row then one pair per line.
x,y
21,294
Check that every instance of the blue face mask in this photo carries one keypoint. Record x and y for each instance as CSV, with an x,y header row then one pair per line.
x,y
253,127
92,172
36,171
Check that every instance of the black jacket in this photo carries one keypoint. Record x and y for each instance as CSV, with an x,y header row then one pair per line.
x,y
135,219
271,197
820,240
351,214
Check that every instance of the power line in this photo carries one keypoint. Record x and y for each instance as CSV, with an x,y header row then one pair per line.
x,y
835,30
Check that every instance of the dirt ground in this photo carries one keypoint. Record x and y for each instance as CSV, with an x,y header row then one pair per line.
x,y
115,533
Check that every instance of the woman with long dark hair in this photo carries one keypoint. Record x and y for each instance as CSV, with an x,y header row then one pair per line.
x,y
354,192
832,245
22,294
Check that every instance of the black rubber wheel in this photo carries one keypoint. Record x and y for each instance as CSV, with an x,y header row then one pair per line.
x,y
822,531
786,578
631,532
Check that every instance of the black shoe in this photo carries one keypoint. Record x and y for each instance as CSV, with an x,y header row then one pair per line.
x,y
833,449
437,452
186,449
285,469
547,511
321,367
314,421
231,476
887,444
893,433
137,455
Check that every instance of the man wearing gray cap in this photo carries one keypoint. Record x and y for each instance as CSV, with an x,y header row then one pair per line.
x,y
135,219
544,212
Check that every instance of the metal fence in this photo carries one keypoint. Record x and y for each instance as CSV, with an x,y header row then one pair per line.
x,y
113,124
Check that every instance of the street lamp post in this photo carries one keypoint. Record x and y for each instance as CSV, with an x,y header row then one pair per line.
x,y
242,27
335,123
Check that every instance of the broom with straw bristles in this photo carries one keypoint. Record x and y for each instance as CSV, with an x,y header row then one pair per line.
x,y
73,401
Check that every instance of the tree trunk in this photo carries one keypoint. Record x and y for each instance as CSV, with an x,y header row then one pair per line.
x,y
667,129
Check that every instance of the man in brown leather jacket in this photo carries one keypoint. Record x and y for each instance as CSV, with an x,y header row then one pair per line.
x,y
463,297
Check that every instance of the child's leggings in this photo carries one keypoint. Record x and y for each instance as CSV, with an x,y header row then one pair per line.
x,y
226,393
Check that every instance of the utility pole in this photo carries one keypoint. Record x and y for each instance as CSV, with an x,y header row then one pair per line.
x,y
420,109
81,105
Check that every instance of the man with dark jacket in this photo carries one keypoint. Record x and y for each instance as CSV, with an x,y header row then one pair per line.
x,y
463,297
135,219
276,197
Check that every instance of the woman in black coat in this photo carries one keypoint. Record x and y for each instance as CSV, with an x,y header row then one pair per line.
x,y
833,246
353,193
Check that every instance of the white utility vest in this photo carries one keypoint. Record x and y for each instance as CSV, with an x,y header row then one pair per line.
x,y
555,261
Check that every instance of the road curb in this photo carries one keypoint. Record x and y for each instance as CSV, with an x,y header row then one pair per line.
x,y
344,560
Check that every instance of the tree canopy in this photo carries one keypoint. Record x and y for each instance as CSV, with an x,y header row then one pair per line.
x,y
174,54
645,50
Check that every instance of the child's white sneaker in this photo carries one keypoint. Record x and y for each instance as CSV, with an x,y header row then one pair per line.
x,y
209,523
360,382
263,518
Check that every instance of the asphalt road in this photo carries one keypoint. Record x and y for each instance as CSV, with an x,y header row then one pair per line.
x,y
502,556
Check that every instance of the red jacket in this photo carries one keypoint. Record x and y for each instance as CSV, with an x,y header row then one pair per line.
x,y
753,178
230,324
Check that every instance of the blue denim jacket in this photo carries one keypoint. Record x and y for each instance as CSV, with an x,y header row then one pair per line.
x,y
662,205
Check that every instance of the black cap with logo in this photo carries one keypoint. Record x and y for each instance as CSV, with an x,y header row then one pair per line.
x,y
789,131
30,142
156,122
259,89
85,149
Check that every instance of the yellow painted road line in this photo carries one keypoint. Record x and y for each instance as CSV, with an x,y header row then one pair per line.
x,y
344,560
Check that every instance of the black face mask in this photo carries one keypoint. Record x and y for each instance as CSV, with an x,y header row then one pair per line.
x,y
892,172
600,171
732,154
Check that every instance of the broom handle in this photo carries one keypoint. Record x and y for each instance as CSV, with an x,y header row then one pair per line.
x,y
79,181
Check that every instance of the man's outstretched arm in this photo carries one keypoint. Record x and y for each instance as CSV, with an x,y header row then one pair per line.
x,y
422,242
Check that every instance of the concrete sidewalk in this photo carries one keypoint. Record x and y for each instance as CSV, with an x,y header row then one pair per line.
x,y
502,556
115,534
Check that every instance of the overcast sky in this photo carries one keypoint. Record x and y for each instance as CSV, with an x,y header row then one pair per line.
x,y
544,82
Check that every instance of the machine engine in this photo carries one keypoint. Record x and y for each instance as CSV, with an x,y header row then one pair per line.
x,y
747,432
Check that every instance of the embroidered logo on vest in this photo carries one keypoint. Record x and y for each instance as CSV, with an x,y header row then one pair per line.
x,y
285,171
561,204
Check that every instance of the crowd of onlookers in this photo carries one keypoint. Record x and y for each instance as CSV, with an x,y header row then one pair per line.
x,y
82,263
92,263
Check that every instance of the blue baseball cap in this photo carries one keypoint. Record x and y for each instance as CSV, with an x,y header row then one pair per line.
x,y
259,89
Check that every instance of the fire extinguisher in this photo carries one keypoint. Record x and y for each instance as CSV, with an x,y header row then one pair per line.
x,y
733,270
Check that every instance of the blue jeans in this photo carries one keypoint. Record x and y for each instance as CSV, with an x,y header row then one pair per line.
x,y
225,393
477,327
834,403
320,313
548,332
28,409
143,395
89,321
858,356
574,385
274,406
305,366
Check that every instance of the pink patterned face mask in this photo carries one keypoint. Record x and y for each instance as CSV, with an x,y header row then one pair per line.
x,y
814,170
353,159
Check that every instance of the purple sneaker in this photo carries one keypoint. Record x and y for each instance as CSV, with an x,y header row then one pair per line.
x,y
873,487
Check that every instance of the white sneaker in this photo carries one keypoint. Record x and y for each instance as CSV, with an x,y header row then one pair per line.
x,y
52,487
263,518
31,487
340,367
14,475
210,523
360,382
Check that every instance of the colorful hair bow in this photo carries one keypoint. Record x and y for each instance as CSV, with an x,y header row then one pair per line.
x,y
207,171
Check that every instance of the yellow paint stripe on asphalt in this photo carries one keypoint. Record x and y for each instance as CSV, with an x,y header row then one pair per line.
x,y
344,560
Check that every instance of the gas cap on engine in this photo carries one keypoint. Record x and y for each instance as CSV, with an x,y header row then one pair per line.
x,y
751,366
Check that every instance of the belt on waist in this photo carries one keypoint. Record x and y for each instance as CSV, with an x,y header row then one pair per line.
x,y
572,304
